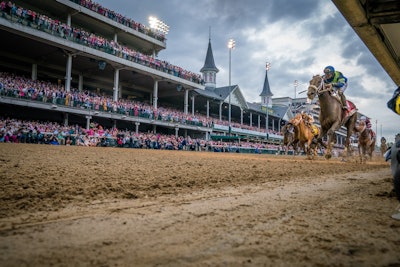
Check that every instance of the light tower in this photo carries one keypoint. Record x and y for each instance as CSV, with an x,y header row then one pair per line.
x,y
231,45
268,67
295,84
158,25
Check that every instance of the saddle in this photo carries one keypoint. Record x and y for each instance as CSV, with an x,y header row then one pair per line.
x,y
348,112
314,129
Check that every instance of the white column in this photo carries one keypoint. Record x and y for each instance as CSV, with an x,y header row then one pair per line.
x,y
220,110
137,127
241,116
116,84
34,72
208,109
115,37
80,82
258,122
68,73
88,118
186,103
192,105
69,19
279,125
176,132
251,119
155,94
65,119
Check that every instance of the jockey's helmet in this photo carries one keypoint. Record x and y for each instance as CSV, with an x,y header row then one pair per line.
x,y
329,71
363,118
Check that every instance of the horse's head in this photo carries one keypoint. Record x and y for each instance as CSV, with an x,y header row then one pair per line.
x,y
361,125
315,86
304,116
287,128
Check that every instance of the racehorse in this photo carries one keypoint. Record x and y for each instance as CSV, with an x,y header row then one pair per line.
x,y
384,146
289,138
366,141
331,115
304,134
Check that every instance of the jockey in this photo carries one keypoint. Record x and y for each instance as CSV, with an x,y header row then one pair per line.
x,y
308,118
309,121
368,124
337,82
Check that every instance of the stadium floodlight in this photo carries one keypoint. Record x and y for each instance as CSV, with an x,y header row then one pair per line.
x,y
268,67
295,84
158,25
231,45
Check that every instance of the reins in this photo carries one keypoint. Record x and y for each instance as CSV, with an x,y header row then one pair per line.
x,y
321,88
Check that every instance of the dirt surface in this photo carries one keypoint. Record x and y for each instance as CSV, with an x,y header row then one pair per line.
x,y
79,206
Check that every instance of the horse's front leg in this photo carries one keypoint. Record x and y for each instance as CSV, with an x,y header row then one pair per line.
x,y
295,144
321,134
347,146
360,152
331,141
310,152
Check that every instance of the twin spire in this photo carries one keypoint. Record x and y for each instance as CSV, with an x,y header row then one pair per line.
x,y
209,71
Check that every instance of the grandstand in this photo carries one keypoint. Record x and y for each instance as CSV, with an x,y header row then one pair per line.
x,y
95,65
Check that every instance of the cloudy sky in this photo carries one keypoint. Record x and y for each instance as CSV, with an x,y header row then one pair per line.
x,y
298,38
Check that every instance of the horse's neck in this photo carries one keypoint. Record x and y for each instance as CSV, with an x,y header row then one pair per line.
x,y
365,133
302,128
327,103
325,98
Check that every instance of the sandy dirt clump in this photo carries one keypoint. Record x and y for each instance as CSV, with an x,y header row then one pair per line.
x,y
79,206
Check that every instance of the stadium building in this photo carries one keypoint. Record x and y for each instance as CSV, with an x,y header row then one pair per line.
x,y
95,65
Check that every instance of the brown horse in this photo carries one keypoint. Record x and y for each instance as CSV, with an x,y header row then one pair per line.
x,y
331,115
366,141
289,138
304,134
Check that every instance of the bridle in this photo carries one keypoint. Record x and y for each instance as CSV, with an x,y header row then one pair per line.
x,y
321,88
363,126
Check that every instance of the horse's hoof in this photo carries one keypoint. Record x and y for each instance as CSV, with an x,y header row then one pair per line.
x,y
328,156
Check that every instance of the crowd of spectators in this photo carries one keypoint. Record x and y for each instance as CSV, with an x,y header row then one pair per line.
x,y
52,133
120,19
84,37
46,92
21,87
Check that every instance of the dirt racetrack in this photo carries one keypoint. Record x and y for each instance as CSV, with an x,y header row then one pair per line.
x,y
79,206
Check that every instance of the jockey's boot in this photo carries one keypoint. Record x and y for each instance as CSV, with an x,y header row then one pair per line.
x,y
344,103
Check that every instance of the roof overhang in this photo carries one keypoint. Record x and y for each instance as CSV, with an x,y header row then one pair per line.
x,y
377,23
